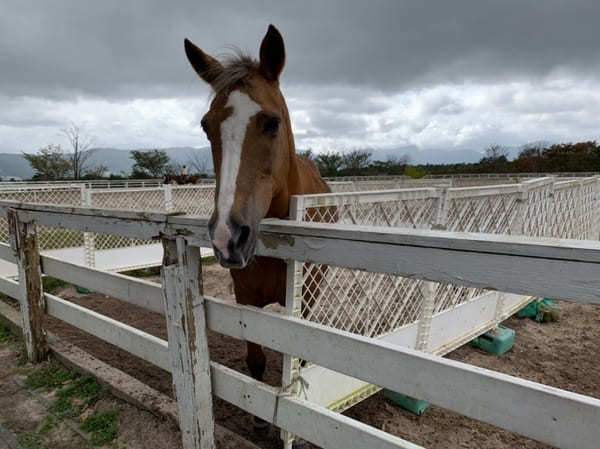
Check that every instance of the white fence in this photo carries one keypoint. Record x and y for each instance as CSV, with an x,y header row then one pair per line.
x,y
412,312
562,269
111,252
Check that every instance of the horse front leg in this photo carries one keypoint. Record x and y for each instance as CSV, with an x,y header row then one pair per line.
x,y
256,360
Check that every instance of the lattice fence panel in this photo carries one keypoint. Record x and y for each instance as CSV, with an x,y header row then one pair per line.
x,y
493,213
194,200
366,303
49,238
575,210
146,199
539,210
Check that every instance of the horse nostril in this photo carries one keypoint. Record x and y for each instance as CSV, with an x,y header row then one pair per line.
x,y
244,234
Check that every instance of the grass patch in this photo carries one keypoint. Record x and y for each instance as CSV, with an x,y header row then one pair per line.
x,y
75,398
52,376
52,285
64,408
210,260
47,427
30,441
6,336
103,426
143,272
22,359
84,387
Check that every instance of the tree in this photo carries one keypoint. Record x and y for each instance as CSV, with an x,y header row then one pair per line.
x,y
49,163
153,163
308,154
200,161
80,144
355,162
329,163
496,151
414,172
495,160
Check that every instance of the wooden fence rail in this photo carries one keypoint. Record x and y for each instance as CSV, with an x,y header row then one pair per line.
x,y
543,267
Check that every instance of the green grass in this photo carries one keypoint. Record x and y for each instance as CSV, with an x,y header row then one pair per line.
x,y
143,272
65,408
73,399
52,285
47,427
6,336
52,376
30,441
210,260
103,426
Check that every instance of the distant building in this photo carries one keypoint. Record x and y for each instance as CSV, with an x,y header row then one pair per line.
x,y
10,179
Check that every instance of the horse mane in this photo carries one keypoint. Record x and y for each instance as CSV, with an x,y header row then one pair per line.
x,y
238,69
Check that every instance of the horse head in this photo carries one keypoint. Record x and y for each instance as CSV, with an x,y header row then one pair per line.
x,y
251,140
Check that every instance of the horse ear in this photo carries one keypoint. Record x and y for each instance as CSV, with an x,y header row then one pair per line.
x,y
207,67
272,54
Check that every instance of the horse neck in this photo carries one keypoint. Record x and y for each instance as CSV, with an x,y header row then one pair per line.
x,y
289,178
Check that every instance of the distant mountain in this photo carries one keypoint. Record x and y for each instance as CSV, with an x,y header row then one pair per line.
x,y
14,165
120,162
428,156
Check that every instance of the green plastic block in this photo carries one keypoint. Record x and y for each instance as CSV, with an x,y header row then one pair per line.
x,y
83,290
497,341
413,405
540,310
529,311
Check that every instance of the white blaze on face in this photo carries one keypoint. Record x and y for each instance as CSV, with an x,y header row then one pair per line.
x,y
233,133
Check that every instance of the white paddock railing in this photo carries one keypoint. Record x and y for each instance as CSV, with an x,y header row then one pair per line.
x,y
562,269
111,252
428,316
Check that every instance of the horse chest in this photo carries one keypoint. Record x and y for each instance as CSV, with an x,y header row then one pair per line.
x,y
262,282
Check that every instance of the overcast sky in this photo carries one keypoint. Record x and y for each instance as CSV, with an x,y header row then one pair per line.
x,y
442,75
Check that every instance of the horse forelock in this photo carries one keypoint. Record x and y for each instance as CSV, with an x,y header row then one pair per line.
x,y
236,71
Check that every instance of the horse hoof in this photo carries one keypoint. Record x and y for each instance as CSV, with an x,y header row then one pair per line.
x,y
300,444
260,425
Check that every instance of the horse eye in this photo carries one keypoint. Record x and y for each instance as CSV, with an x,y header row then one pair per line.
x,y
271,126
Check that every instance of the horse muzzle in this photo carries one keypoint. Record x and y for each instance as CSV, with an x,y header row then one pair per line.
x,y
234,244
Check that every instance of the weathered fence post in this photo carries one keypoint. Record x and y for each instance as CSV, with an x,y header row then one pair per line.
x,y
188,345
24,243
89,238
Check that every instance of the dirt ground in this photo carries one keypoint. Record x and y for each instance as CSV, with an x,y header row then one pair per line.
x,y
29,416
564,354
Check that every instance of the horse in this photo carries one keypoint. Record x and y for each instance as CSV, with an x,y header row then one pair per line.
x,y
183,180
256,166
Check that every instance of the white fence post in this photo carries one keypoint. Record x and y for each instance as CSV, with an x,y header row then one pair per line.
x,y
24,243
89,238
188,345
429,289
293,307
168,190
517,226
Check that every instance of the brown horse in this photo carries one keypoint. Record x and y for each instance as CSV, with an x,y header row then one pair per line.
x,y
257,169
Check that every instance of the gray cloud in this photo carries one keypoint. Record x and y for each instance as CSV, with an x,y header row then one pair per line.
x,y
444,74
134,48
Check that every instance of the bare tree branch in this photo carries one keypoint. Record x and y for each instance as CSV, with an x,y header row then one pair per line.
x,y
200,161
80,144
